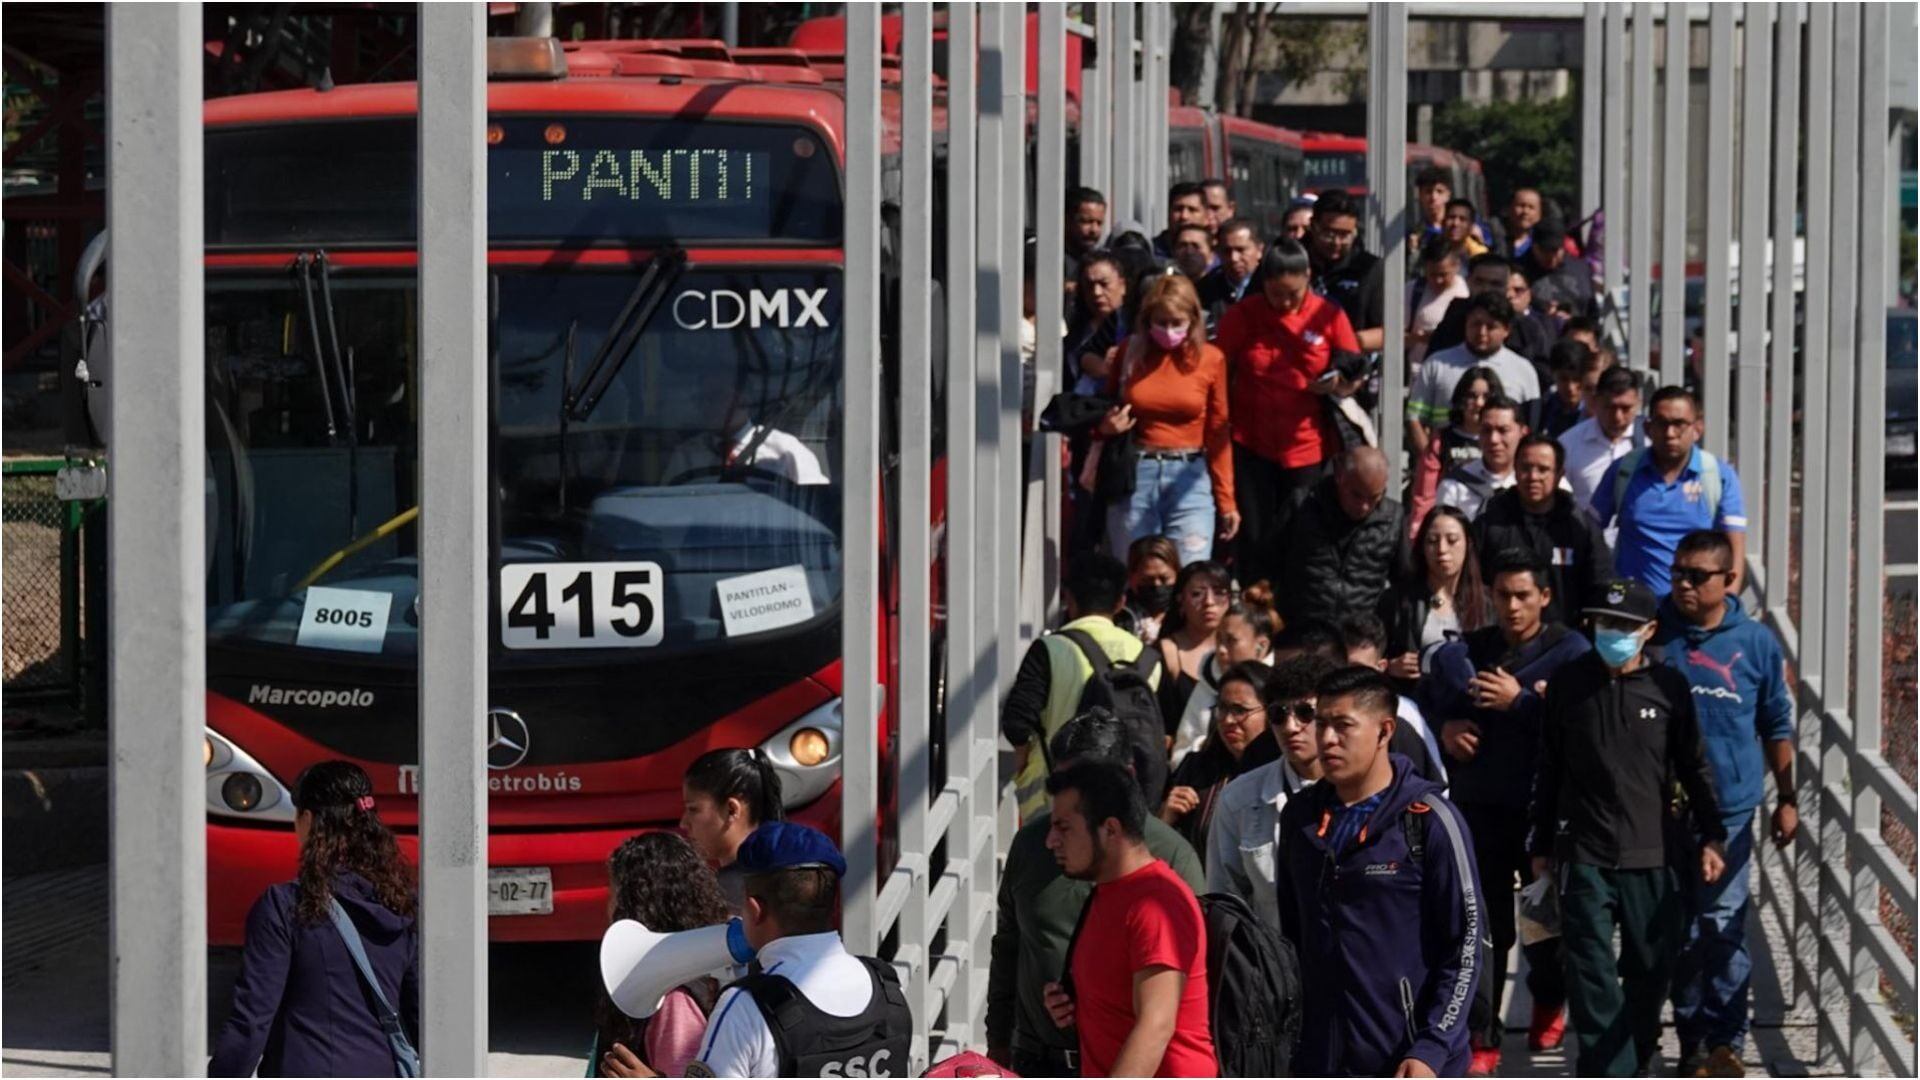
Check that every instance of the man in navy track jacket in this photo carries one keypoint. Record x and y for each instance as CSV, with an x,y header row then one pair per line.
x,y
1378,894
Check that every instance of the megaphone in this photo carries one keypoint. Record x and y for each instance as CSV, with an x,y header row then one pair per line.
x,y
640,967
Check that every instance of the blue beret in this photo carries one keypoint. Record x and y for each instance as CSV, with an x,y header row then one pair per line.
x,y
786,845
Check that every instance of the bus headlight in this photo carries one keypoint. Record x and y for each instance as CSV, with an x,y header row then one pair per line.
x,y
806,754
238,787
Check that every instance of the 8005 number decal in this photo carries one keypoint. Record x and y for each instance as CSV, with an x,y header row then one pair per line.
x,y
581,605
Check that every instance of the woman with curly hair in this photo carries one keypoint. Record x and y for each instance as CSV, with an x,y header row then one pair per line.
x,y
301,1006
661,882
1171,395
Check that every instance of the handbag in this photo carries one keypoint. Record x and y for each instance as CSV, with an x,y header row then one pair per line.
x,y
406,1060
1119,468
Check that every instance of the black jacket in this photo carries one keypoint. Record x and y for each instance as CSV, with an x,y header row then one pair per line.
x,y
1217,294
1501,771
1335,566
1612,748
1564,539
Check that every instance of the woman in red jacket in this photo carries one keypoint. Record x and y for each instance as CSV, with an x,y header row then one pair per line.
x,y
1279,344
1172,393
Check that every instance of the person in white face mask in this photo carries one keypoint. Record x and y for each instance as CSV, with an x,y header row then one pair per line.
x,y
1618,731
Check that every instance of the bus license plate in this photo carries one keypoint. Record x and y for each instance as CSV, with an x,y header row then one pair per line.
x,y
520,891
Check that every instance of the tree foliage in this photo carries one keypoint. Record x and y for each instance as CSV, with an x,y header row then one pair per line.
x,y
1519,144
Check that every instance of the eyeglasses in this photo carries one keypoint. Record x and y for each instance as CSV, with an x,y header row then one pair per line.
x,y
1224,711
1695,577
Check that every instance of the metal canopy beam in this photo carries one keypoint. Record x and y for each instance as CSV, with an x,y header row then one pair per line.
x,y
156,575
453,539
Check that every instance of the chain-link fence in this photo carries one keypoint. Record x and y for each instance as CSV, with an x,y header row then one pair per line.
x,y
41,581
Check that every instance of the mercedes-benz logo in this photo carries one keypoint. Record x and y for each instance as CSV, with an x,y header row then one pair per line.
x,y
507,740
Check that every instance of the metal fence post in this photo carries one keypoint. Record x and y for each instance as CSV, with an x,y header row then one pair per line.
x,y
1786,252
916,509
1096,109
1640,201
1756,75
991,198
1592,53
453,539
971,771
1717,324
1012,488
860,553
1123,201
1386,163
1613,125
1049,229
156,576
1874,295
1673,202
1809,863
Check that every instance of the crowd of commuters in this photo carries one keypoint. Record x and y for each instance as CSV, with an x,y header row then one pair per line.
x,y
1308,751
1386,717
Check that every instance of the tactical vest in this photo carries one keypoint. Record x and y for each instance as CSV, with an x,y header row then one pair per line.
x,y
877,1042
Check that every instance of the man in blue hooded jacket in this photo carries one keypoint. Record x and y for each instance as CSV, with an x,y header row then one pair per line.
x,y
1378,894
1738,676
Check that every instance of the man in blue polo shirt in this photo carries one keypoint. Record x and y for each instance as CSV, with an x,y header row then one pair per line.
x,y
1662,493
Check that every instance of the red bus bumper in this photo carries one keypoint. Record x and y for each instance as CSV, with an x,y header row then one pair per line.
x,y
242,862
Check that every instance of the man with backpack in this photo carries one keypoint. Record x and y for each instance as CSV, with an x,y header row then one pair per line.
x,y
1660,494
1090,662
1378,893
1135,984
1039,907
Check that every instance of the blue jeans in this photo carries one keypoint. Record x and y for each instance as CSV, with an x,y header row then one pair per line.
x,y
1712,979
1171,498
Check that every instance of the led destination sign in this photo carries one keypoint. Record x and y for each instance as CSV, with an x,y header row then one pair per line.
x,y
567,181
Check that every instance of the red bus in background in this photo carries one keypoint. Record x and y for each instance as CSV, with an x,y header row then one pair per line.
x,y
664,298
1264,164
1340,161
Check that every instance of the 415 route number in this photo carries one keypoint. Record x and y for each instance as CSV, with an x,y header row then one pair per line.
x,y
581,605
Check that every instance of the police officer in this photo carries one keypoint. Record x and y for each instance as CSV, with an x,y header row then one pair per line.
x,y
807,1007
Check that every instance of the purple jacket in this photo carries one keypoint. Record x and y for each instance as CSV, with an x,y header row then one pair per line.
x,y
1391,945
300,1007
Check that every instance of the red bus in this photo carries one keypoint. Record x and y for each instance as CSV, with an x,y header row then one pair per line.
x,y
666,367
1340,161
1264,164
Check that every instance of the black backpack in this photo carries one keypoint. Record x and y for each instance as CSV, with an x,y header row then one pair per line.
x,y
1126,692
1253,990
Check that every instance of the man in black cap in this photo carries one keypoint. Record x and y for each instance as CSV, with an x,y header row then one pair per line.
x,y
1619,731
809,1007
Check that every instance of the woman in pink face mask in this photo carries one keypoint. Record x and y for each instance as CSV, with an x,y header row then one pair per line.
x,y
1172,389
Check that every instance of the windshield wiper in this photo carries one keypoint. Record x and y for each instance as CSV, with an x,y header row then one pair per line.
x,y
624,333
303,265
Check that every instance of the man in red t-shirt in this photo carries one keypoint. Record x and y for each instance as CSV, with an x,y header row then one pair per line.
x,y
1136,980
1279,341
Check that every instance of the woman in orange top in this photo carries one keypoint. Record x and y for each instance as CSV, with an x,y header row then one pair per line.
x,y
1172,389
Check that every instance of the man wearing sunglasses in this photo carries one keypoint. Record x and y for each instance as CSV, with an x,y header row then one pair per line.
x,y
1246,823
1738,676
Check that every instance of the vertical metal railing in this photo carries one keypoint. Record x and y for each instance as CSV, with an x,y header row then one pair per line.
x,y
156,573
1387,183
1717,321
1592,53
1049,225
860,923
1637,231
1011,489
453,538
1123,202
1750,385
915,576
1673,204
1613,159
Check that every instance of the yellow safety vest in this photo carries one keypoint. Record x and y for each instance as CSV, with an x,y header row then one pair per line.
x,y
1067,673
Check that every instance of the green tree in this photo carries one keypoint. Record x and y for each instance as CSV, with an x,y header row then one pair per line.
x,y
1519,144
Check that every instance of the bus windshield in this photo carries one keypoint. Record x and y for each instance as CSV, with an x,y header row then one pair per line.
x,y
696,501
1346,169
